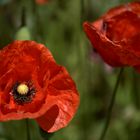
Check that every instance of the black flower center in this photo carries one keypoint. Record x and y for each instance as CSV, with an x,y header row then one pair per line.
x,y
23,92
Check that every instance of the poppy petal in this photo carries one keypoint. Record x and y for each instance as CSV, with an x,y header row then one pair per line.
x,y
62,102
105,47
116,37
28,61
20,61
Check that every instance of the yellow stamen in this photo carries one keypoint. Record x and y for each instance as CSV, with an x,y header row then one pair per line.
x,y
22,89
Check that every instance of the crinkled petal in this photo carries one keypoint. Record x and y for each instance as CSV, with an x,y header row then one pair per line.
x,y
121,28
116,34
132,7
21,61
26,61
62,102
105,47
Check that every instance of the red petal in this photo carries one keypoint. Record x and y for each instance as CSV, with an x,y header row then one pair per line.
x,y
121,28
105,47
62,102
20,61
132,7
23,61
115,35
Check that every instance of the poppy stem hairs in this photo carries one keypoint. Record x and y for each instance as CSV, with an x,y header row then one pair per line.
x,y
110,108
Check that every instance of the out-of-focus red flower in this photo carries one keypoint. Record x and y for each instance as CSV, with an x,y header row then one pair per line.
x,y
32,85
41,1
116,35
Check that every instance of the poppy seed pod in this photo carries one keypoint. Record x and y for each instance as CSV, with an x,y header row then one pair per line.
x,y
32,85
116,35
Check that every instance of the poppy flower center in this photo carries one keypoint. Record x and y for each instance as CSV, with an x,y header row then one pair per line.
x,y
23,92
22,89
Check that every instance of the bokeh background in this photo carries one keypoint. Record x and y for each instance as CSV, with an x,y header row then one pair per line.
x,y
58,25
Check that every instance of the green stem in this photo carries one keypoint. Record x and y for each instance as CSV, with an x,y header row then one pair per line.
x,y
23,17
27,128
82,11
110,108
135,90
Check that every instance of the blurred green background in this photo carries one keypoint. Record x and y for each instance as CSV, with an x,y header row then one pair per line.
x,y
58,25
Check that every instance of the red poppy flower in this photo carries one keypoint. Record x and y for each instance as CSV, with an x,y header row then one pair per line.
x,y
32,85
41,1
116,35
